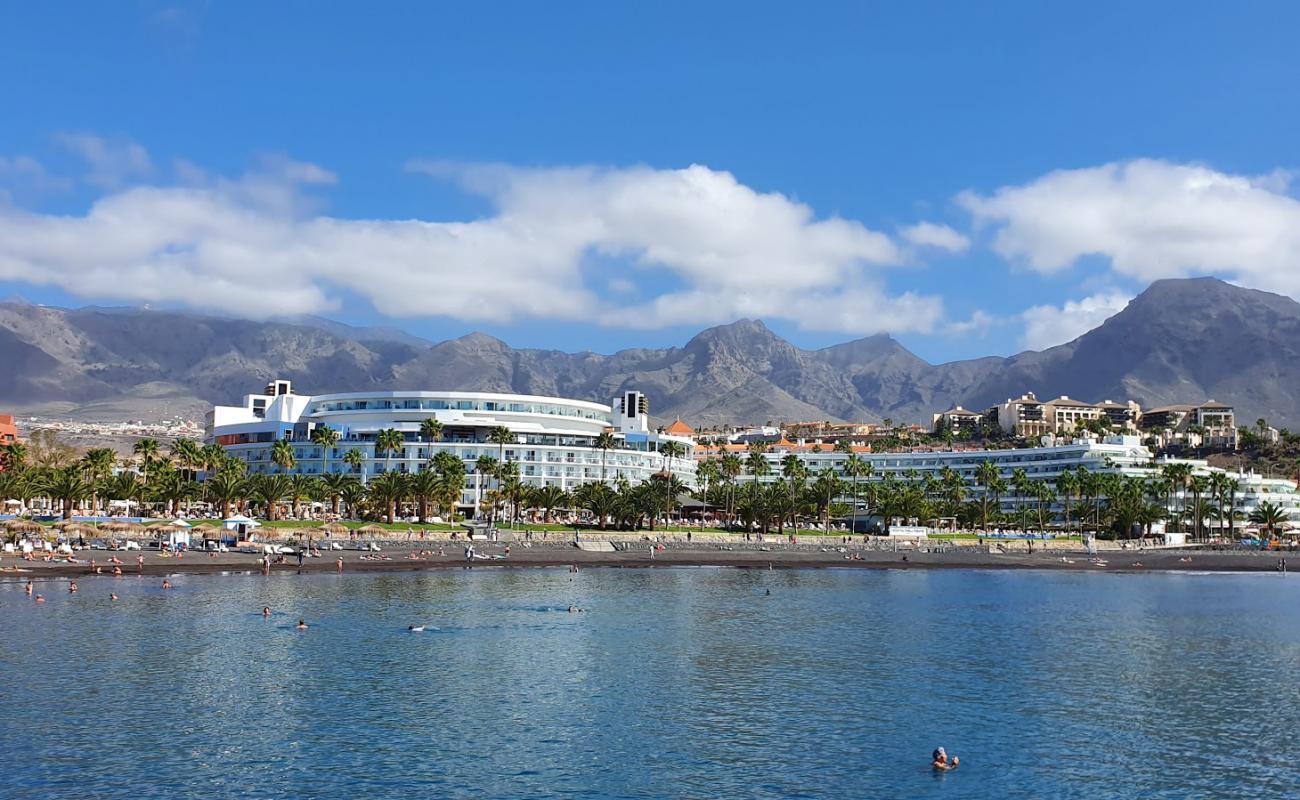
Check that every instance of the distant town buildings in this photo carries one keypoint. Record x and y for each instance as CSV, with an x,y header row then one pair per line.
x,y
1210,424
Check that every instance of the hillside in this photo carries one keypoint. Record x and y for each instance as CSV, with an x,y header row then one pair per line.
x,y
1179,341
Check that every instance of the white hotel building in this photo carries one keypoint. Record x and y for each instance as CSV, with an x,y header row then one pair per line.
x,y
554,436
1122,454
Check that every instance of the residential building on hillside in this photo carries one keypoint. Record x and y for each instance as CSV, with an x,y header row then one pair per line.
x,y
8,430
1210,424
1065,415
957,420
1023,417
554,438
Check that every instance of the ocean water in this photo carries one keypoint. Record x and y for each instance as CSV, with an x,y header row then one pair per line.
x,y
675,683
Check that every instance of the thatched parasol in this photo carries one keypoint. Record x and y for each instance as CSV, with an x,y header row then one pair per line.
x,y
333,528
79,529
371,530
22,526
164,527
123,527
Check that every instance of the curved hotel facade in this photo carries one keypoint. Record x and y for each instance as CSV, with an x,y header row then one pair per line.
x,y
555,437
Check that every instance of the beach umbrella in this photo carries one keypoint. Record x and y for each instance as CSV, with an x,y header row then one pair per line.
x,y
334,527
123,527
22,526
371,530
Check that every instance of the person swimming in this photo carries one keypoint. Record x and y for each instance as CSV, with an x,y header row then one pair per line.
x,y
40,599
112,595
72,587
941,762
266,611
415,628
302,625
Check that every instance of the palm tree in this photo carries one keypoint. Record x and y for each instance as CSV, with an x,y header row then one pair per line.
x,y
332,486
1269,515
431,429
1199,485
387,442
598,499
707,473
324,437
225,488
13,455
147,451
389,490
548,498
1067,483
98,463
282,455
501,436
270,490
987,475
353,495
425,485
730,467
604,442
302,487
212,457
855,466
68,486
485,467
171,487
186,455
1024,489
1230,488
356,460
826,488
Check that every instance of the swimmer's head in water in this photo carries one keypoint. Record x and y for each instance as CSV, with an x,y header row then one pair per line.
x,y
938,753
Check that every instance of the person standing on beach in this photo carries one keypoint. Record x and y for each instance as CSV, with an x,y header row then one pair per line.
x,y
139,562
339,563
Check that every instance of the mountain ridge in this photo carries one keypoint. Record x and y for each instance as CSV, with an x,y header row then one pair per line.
x,y
1181,340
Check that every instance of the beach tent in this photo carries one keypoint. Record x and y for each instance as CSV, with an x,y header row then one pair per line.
x,y
240,524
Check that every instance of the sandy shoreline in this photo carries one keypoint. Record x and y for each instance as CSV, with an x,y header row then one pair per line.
x,y
558,555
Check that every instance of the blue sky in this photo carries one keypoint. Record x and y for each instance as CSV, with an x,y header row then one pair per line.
x,y
975,178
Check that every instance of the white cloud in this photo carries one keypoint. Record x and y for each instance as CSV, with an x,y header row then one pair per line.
x,y
1047,326
1151,219
928,234
28,172
980,323
111,163
256,246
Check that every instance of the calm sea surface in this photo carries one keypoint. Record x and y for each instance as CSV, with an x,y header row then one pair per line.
x,y
673,683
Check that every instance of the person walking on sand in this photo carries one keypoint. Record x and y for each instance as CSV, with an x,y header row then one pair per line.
x,y
339,564
139,562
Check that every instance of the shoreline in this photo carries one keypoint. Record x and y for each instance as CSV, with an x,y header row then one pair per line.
x,y
739,558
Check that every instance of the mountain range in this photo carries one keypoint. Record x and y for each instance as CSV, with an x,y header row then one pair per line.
x,y
1180,341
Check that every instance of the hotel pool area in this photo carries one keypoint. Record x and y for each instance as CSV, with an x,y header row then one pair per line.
x,y
670,683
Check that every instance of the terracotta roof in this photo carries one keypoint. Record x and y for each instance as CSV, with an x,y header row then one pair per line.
x,y
679,428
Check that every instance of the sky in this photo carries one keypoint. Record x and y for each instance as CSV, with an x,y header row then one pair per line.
x,y
973,179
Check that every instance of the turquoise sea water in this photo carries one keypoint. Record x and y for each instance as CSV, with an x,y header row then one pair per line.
x,y
673,683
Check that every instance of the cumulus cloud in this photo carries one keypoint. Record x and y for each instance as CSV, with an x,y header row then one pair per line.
x,y
110,163
1151,219
942,237
1047,326
257,246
